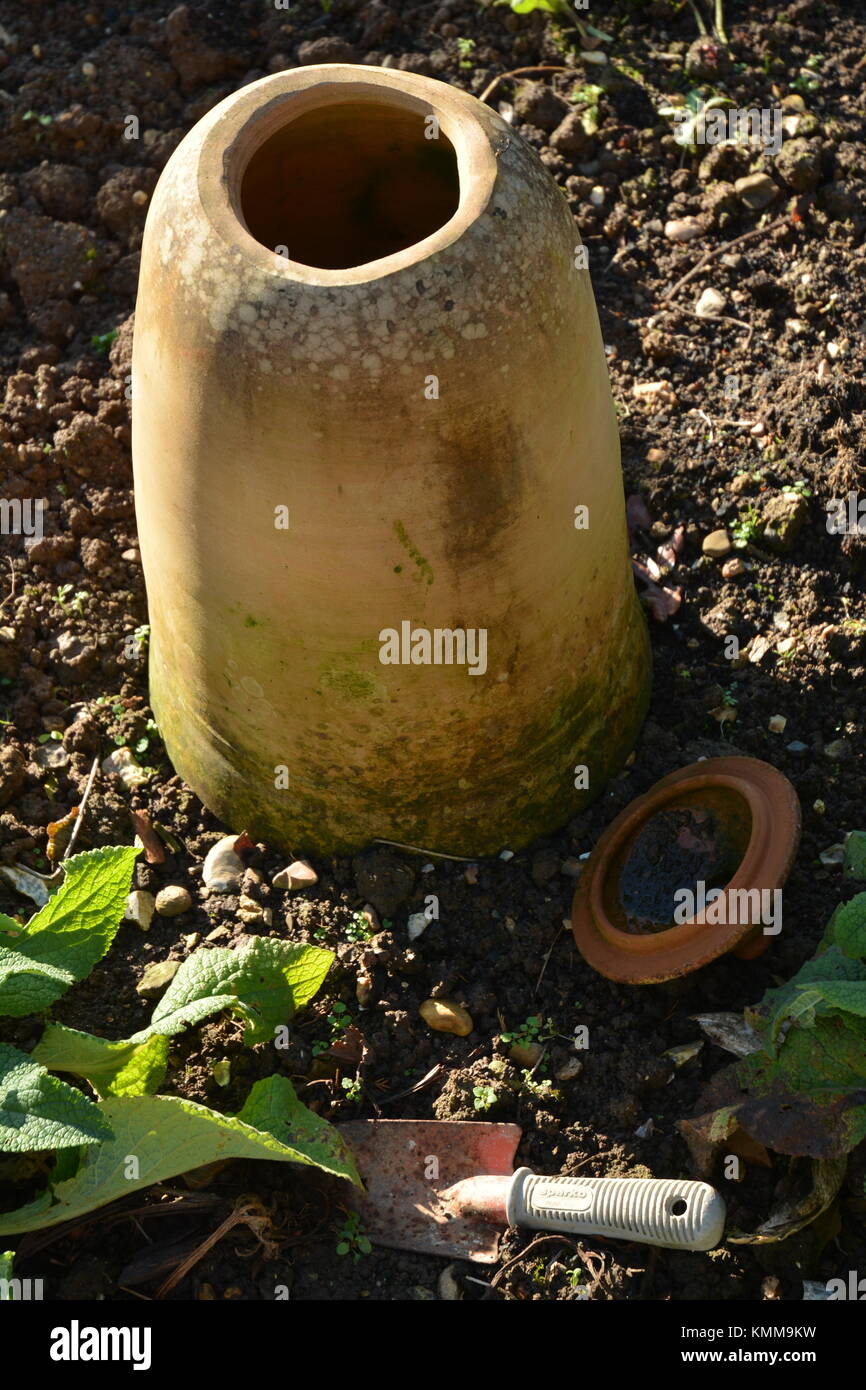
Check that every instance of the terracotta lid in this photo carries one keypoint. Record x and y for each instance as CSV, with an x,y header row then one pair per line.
x,y
729,824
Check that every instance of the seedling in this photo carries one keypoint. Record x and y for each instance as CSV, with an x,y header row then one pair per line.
x,y
353,1240
359,928
532,1030
142,744
101,342
338,1021
483,1098
352,1086
746,528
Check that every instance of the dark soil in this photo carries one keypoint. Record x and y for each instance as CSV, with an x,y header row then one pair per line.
x,y
770,397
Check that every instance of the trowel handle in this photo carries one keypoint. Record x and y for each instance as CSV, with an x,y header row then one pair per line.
x,y
683,1215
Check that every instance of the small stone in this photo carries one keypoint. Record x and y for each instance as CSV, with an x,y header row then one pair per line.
x,y
50,755
506,854
756,191
157,977
710,304
525,1055
535,104
132,555
717,544
832,856
449,1289
572,1068
797,746
417,924
571,137
298,875
731,569
683,229
218,934
121,763
222,867
139,909
545,866
470,874
839,750
221,1071
250,911
383,879
191,940
444,1016
799,164
172,900
819,807
782,520
777,724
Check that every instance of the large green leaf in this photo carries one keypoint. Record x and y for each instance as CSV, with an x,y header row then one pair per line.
x,y
64,940
266,981
157,1137
126,1068
39,1112
847,926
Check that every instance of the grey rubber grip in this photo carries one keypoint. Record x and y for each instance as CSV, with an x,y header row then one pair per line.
x,y
681,1215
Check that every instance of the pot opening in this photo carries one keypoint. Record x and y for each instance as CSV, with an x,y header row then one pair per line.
x,y
694,845
346,184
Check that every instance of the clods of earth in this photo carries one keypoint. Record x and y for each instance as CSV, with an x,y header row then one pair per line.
x,y
740,400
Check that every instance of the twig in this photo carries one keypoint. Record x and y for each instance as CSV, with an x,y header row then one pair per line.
x,y
520,72
546,961
699,19
533,1245
248,1211
432,1075
77,826
430,853
710,318
720,250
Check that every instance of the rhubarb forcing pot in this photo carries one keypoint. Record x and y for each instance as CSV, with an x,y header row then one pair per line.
x,y
690,870
377,474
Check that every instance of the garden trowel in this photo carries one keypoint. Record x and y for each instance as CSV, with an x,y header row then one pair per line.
x,y
447,1187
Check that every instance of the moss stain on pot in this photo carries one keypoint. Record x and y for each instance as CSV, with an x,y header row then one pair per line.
x,y
264,382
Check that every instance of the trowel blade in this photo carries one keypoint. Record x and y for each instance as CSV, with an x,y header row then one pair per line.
x,y
407,1165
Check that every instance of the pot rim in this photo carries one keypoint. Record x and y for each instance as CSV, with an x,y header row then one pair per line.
x,y
766,862
248,118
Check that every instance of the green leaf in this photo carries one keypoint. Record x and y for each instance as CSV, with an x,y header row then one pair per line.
x,y
527,6
854,861
126,1068
39,1112
66,938
266,981
787,1002
847,927
167,1136
844,996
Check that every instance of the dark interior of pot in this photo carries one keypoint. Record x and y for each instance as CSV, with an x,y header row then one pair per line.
x,y
350,183
698,839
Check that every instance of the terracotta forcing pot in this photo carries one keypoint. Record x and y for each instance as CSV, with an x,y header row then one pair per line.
x,y
732,824
377,474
